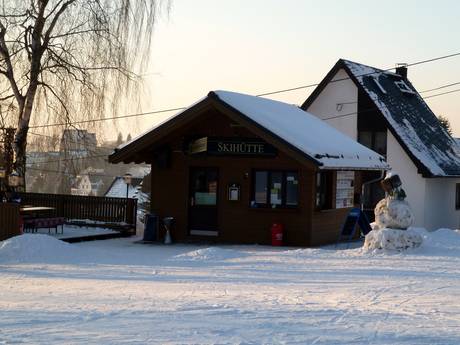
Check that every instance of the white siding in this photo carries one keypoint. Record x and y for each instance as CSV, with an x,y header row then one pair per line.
x,y
326,105
412,182
440,209
431,199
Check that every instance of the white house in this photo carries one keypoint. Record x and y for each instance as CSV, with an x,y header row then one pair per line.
x,y
90,182
383,111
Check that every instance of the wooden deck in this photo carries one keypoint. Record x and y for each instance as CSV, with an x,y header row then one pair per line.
x,y
115,213
93,208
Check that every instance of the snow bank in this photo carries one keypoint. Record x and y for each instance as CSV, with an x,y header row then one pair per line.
x,y
442,242
36,248
210,254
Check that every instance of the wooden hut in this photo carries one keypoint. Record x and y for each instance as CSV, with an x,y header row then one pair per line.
x,y
231,165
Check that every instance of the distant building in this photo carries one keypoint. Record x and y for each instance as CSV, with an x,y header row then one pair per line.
x,y
37,157
77,142
90,182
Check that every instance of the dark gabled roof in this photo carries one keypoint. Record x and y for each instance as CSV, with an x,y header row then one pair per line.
x,y
411,121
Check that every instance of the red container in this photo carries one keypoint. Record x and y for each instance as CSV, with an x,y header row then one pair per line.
x,y
277,230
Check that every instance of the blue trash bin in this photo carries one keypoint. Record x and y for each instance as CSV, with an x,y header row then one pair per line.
x,y
150,227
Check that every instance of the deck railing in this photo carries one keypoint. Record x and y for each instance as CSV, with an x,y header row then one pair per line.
x,y
92,208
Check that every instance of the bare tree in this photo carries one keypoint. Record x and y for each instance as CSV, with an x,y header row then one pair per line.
x,y
63,60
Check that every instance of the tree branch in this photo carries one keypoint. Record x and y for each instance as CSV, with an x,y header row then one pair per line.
x,y
54,21
9,72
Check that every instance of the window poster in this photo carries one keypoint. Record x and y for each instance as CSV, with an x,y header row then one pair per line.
x,y
345,189
234,192
275,194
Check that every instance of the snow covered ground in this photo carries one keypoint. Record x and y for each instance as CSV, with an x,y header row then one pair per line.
x,y
117,291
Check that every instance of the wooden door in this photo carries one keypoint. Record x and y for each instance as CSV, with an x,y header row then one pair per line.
x,y
204,187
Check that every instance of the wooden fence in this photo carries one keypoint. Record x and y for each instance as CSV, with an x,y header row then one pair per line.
x,y
9,220
92,208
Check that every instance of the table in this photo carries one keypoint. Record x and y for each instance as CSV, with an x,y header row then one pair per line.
x,y
35,217
35,209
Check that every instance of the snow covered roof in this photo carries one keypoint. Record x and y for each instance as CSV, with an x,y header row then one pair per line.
x,y
415,126
312,136
287,123
118,188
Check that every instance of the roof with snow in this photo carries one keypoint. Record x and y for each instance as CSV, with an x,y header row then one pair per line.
x,y
284,123
411,121
118,188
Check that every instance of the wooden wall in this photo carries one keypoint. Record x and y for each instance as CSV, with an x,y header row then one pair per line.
x,y
238,222
9,220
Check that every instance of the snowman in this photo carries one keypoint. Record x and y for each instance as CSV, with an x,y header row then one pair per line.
x,y
393,217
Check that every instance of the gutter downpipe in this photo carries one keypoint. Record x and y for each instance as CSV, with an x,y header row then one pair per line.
x,y
365,184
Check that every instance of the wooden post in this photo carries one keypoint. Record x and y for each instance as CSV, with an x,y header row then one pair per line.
x,y
9,214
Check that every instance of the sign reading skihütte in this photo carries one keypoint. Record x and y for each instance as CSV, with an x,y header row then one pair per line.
x,y
232,147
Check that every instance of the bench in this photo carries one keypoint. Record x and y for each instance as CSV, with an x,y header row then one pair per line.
x,y
33,224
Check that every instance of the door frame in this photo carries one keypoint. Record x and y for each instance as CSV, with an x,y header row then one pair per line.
x,y
197,232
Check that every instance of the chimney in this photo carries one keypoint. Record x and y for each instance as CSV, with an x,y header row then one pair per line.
x,y
401,69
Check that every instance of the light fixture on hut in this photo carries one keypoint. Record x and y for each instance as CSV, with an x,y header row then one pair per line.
x,y
2,172
127,178
14,179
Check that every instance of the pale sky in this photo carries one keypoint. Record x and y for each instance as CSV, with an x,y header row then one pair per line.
x,y
255,46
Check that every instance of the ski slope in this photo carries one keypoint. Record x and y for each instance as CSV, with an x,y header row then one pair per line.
x,y
120,292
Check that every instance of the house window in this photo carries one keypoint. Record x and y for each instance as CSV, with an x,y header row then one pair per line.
x,y
380,142
375,140
275,189
457,196
324,190
403,87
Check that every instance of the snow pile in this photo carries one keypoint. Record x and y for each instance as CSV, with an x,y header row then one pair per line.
x,y
209,254
443,242
393,213
36,248
392,240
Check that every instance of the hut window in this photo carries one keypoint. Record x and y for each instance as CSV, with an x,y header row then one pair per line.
x,y
275,189
324,190
260,190
292,190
